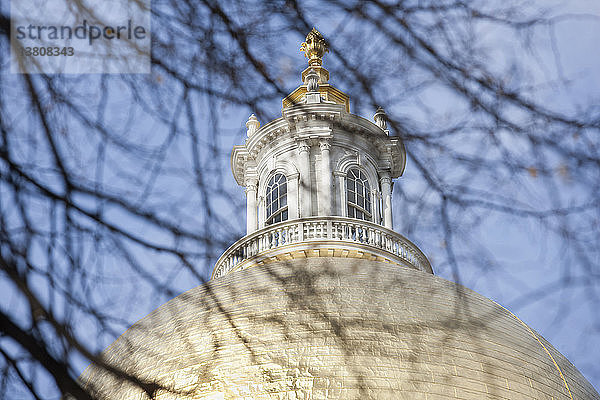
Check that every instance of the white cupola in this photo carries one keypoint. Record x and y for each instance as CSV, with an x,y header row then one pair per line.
x,y
318,159
318,163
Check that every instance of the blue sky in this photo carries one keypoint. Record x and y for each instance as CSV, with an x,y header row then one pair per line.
x,y
520,262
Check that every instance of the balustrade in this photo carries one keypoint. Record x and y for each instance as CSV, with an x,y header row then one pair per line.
x,y
328,229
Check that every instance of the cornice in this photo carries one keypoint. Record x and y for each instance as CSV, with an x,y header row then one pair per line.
x,y
315,122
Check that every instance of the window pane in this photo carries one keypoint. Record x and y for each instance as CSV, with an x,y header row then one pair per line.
x,y
276,199
358,193
350,184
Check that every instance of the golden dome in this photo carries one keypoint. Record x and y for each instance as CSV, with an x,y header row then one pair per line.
x,y
332,328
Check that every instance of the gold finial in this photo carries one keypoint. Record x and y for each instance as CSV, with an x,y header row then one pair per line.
x,y
314,47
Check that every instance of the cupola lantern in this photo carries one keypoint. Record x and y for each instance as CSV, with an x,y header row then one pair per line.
x,y
319,174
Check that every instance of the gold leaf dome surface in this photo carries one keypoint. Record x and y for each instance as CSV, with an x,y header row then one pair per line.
x,y
331,328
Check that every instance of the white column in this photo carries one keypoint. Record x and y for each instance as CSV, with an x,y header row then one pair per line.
x,y
375,202
251,212
386,194
324,194
304,166
262,212
341,198
292,193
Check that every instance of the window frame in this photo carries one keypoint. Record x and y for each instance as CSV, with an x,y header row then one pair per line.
x,y
279,182
356,175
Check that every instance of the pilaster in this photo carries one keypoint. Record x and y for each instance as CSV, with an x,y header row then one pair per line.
x,y
341,193
324,194
386,194
251,206
305,186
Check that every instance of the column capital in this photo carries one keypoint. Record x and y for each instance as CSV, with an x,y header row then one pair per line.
x,y
251,181
303,146
251,188
386,180
324,144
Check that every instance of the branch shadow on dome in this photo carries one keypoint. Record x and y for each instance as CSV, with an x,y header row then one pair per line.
x,y
330,328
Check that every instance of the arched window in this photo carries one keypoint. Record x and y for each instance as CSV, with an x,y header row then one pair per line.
x,y
276,199
358,193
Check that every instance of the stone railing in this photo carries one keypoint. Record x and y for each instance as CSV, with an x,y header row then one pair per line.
x,y
341,233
